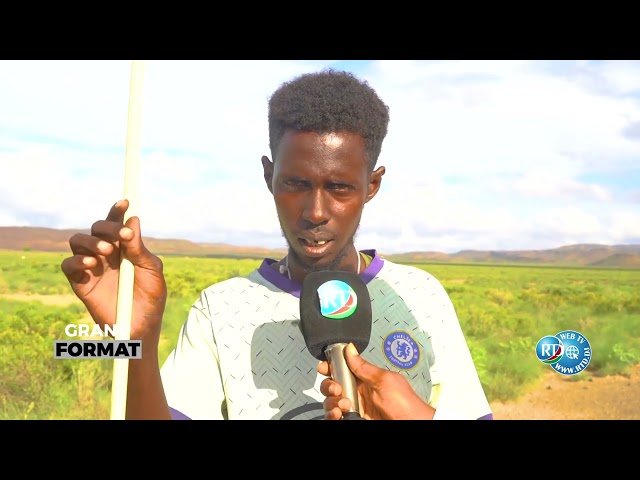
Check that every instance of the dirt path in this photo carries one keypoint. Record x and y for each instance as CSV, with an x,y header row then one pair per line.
x,y
59,300
614,397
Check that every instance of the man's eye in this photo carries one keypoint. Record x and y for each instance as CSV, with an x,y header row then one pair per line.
x,y
295,183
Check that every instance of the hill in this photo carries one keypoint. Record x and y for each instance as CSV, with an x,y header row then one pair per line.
x,y
584,255
57,240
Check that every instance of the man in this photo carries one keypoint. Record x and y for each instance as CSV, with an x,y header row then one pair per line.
x,y
240,353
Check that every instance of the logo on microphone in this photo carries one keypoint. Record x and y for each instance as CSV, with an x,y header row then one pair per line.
x,y
337,299
568,352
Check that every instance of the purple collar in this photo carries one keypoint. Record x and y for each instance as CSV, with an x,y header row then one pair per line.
x,y
284,283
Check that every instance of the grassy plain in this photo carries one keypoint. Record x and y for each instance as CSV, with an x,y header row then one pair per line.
x,y
504,311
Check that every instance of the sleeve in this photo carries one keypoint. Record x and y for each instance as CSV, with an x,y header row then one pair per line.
x,y
191,373
457,391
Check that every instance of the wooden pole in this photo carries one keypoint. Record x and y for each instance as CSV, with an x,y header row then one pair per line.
x,y
126,277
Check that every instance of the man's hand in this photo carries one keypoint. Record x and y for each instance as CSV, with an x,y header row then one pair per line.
x,y
93,273
382,394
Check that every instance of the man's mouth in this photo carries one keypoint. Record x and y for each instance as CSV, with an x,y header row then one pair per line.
x,y
315,248
314,243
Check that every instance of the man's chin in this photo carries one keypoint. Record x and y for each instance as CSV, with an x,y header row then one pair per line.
x,y
319,267
315,264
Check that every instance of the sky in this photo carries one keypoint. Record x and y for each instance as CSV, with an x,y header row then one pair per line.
x,y
481,155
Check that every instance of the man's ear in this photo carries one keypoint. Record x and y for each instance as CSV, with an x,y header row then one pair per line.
x,y
375,179
267,167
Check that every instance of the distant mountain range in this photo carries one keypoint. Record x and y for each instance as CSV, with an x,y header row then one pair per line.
x,y
586,255
583,255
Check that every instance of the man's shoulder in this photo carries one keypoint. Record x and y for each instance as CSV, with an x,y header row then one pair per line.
x,y
236,284
409,281
401,270
248,299
239,291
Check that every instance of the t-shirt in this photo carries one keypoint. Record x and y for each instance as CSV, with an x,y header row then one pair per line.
x,y
241,354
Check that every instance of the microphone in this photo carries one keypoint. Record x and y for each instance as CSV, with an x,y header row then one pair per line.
x,y
335,310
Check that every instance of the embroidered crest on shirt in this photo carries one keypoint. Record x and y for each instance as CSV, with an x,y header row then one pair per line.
x,y
401,350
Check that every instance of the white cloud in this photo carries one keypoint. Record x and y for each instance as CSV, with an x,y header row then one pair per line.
x,y
548,184
623,76
215,214
624,224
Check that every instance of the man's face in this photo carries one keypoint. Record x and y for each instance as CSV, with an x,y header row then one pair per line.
x,y
320,184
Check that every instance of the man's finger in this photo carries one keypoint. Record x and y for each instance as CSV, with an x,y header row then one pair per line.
x,y
330,388
333,414
334,407
82,244
108,229
117,211
358,365
75,267
134,249
323,368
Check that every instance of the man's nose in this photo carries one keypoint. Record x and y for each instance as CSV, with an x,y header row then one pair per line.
x,y
315,207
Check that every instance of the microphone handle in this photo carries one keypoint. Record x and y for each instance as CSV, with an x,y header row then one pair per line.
x,y
340,373
352,416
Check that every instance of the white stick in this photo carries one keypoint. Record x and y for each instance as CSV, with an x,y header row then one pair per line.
x,y
126,277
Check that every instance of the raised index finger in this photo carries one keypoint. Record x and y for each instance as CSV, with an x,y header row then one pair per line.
x,y
117,211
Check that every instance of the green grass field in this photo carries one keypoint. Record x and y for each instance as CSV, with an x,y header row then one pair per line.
x,y
504,311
